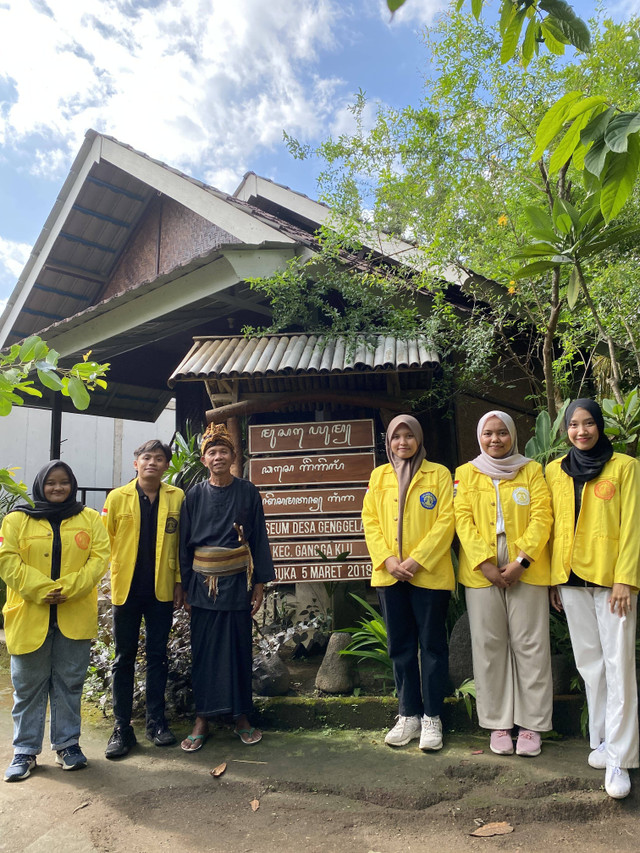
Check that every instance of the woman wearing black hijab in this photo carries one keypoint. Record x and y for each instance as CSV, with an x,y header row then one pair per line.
x,y
595,568
52,555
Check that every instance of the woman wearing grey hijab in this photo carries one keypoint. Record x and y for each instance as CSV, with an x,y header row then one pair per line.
x,y
408,523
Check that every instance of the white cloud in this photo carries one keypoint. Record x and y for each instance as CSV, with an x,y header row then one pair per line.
x,y
420,12
13,257
196,83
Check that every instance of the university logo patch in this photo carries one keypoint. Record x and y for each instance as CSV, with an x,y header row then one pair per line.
x,y
521,496
428,500
83,540
604,490
171,526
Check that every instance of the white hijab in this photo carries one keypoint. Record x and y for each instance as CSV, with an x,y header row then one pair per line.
x,y
508,466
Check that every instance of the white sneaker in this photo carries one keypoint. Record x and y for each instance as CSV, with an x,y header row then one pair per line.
x,y
617,783
431,736
405,730
598,757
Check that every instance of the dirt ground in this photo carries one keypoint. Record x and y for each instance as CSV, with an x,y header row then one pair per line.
x,y
331,791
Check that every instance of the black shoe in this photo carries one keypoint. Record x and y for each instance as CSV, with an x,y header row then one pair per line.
x,y
121,742
160,733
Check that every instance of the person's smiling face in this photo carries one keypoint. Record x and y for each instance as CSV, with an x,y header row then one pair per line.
x,y
403,442
582,430
495,439
57,486
218,458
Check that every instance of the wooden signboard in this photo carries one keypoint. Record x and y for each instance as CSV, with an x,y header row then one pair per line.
x,y
326,469
327,435
318,572
314,501
293,528
309,550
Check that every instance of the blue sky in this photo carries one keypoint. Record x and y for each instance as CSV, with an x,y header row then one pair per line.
x,y
205,85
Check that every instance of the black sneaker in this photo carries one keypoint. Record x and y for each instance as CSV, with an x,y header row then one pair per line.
x,y
121,742
71,758
20,767
160,733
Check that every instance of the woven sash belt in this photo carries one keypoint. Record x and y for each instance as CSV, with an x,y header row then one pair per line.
x,y
213,562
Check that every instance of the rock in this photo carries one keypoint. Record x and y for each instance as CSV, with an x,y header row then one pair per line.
x,y
460,660
337,672
270,676
316,644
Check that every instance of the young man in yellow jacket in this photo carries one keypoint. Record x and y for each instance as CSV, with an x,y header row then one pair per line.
x,y
142,519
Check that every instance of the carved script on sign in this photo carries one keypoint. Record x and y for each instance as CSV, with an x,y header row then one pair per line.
x,y
327,468
283,438
316,501
323,572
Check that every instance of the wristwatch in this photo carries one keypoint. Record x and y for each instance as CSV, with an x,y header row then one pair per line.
x,y
523,562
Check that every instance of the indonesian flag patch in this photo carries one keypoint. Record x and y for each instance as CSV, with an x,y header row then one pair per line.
x,y
105,511
455,487
1,541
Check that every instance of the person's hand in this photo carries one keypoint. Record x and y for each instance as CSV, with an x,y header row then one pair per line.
x,y
620,600
511,573
493,574
55,597
554,598
256,598
410,565
178,596
396,570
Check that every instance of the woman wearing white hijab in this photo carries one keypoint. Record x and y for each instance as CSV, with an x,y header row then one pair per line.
x,y
503,521
408,525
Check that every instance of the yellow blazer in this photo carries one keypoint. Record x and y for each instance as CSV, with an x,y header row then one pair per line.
x,y
121,517
25,566
427,525
526,508
604,547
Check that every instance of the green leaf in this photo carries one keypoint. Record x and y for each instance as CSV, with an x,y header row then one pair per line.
x,y
610,238
536,250
529,43
476,8
619,129
78,393
50,379
5,405
568,143
596,126
394,5
541,224
573,289
553,37
561,218
507,14
553,122
512,36
585,104
596,156
619,178
52,357
573,27
534,269
28,348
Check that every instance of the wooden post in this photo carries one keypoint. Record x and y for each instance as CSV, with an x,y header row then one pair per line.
x,y
56,427
233,427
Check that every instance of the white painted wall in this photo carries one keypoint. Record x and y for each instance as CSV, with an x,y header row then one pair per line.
x,y
99,450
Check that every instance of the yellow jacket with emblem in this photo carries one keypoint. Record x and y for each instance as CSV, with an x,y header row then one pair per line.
x,y
526,509
604,547
25,566
427,525
121,516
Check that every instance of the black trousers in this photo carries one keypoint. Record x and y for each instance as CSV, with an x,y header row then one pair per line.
x,y
415,619
127,618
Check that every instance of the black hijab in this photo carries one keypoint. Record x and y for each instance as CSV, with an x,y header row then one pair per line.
x,y
48,509
585,465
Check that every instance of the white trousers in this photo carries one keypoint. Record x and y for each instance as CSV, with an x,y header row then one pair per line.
x,y
511,656
604,646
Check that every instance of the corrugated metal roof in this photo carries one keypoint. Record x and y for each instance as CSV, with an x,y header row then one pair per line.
x,y
300,355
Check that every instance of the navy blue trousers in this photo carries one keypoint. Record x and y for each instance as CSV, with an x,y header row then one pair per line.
x,y
415,619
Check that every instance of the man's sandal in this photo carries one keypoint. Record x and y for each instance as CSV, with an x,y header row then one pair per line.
x,y
193,739
245,734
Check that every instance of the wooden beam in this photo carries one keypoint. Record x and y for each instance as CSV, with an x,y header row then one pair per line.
x,y
273,403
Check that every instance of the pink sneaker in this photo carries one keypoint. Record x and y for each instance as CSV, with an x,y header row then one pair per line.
x,y
501,742
528,743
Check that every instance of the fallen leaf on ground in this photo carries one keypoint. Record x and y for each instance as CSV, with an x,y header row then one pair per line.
x,y
255,805
489,829
477,752
81,806
219,770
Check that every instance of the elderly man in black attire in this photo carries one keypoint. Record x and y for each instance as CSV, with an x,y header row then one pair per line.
x,y
225,560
